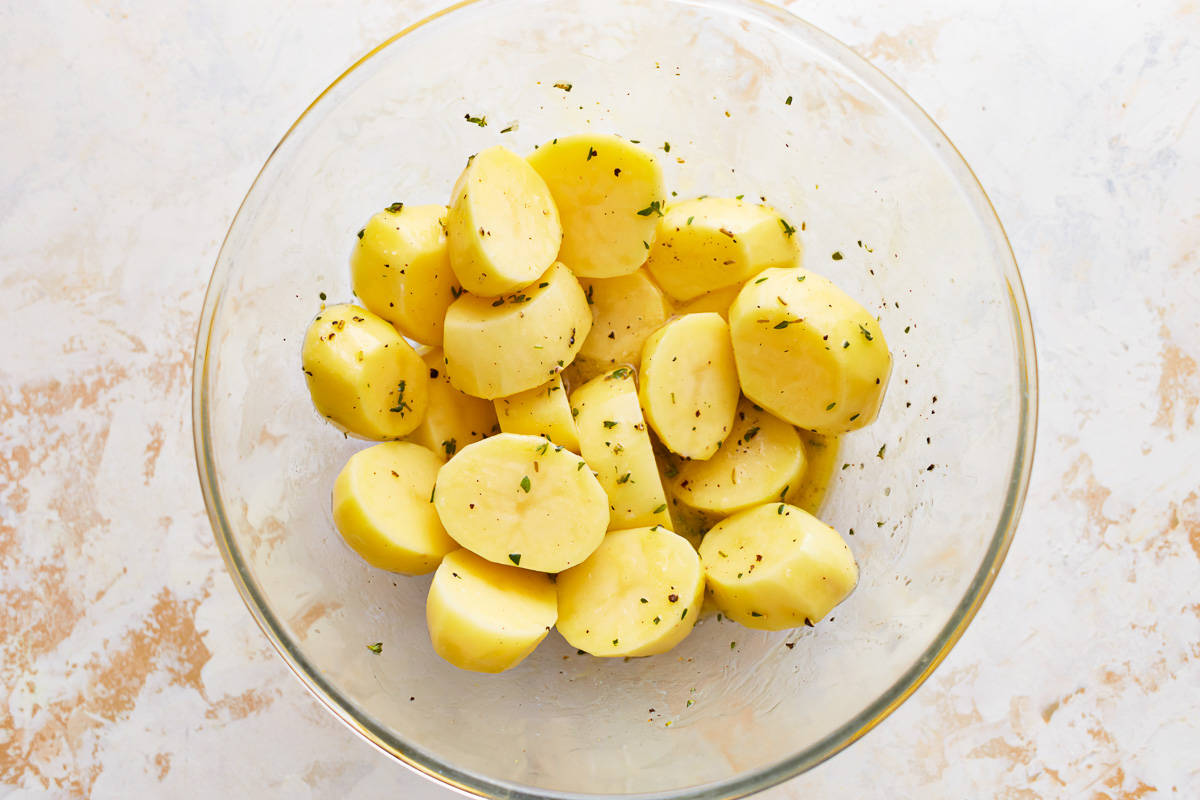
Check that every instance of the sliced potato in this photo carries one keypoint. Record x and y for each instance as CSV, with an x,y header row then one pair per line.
x,y
503,227
717,301
381,507
488,617
496,348
807,352
626,310
712,242
544,411
761,460
453,419
776,566
400,269
822,454
639,594
600,183
689,387
522,500
362,375
614,442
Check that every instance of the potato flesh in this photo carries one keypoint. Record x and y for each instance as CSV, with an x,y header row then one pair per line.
x,y
599,183
496,348
639,594
776,566
381,508
807,352
504,229
626,310
822,455
362,376
717,301
543,411
709,243
487,617
689,385
522,501
400,269
453,419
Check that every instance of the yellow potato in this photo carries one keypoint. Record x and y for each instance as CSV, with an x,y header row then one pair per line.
x,y
822,454
487,617
454,419
689,388
544,411
709,243
614,442
807,352
776,566
600,183
639,594
381,507
496,348
503,227
626,310
718,301
522,500
362,375
400,269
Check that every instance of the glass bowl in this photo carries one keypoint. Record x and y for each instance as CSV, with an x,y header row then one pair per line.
x,y
751,101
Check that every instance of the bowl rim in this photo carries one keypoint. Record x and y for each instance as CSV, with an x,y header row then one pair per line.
x,y
747,783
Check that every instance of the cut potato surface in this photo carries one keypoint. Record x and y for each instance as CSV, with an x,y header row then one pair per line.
x,y
522,501
626,310
503,227
822,455
689,386
381,507
762,459
776,566
496,348
615,443
709,243
400,269
362,375
487,617
453,419
717,301
639,594
807,352
544,411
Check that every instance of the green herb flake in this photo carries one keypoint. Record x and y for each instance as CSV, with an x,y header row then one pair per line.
x,y
760,280
837,255
907,328
481,121
376,648
788,230
574,412
619,373
657,620
515,558
779,510
755,614
644,600
450,446
785,323
866,333
582,464
615,641
750,434
322,295
788,102
684,614
882,450
830,406
660,509
608,423
432,493
666,147
509,129
624,478
800,278
732,645
591,153
856,416
541,450
689,222
525,484
739,197
566,87
655,207
362,232
396,208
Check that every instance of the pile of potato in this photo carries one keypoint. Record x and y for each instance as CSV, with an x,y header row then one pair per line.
x,y
603,377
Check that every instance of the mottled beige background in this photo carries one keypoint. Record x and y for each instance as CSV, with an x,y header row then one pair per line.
x,y
130,131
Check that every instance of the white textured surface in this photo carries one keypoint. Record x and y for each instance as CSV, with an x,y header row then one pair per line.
x,y
128,664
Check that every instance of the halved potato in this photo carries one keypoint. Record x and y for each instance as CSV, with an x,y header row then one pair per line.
x,y
626,310
718,300
453,419
822,454
362,375
543,411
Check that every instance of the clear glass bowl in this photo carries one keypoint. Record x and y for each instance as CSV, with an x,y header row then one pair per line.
x,y
932,490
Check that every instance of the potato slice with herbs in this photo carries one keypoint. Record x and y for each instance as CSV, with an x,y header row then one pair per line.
x,y
503,227
717,301
381,508
362,376
496,348
807,352
544,411
626,310
689,387
522,500
614,442
712,242
453,419
487,617
776,566
639,594
400,269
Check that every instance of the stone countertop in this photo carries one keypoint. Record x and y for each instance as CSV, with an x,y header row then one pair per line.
x,y
129,666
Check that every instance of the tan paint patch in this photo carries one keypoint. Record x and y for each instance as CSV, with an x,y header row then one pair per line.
x,y
999,748
239,706
1178,386
153,449
1079,483
913,44
306,618
162,761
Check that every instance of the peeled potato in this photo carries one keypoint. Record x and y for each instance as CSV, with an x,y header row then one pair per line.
x,y
522,500
689,388
381,507
639,594
712,242
487,617
503,227
776,566
807,352
496,348
400,269
614,441
626,310
544,411
717,301
453,419
822,455
362,375
600,183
